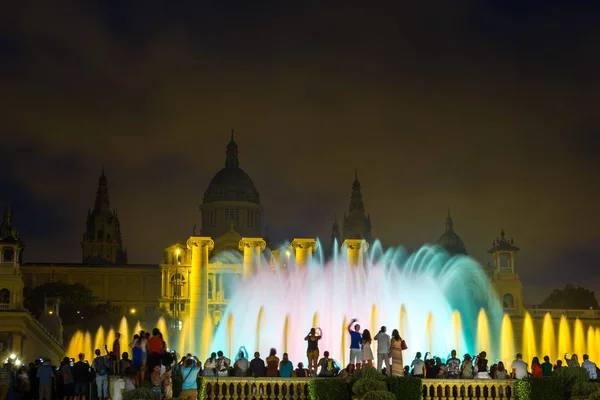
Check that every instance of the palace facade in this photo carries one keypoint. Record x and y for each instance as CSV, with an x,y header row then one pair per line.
x,y
231,214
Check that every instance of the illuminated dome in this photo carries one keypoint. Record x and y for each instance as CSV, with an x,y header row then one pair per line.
x,y
231,204
231,183
450,240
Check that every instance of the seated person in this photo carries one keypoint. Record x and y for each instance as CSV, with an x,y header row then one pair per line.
x,y
328,366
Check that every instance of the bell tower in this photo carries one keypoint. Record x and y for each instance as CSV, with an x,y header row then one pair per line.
x,y
11,249
102,243
356,224
505,280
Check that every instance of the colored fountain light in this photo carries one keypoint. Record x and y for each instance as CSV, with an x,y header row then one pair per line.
x,y
438,303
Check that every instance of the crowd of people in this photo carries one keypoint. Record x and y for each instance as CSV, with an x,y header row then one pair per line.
x,y
149,360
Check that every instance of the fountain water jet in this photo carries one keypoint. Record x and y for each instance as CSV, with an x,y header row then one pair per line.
x,y
402,320
529,350
548,338
99,339
343,340
564,337
87,345
430,333
124,331
579,339
229,333
161,325
507,344
110,339
483,335
456,328
591,343
334,290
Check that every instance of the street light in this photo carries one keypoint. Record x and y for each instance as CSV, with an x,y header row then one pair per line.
x,y
132,311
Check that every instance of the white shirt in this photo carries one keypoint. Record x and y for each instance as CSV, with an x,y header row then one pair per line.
x,y
383,343
417,365
519,367
119,384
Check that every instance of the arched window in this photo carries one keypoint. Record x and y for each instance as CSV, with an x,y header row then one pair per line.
x,y
508,301
4,296
8,254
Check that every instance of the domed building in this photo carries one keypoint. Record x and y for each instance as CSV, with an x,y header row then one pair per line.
x,y
450,240
231,206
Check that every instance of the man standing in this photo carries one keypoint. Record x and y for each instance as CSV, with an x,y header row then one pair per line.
x,y
116,349
355,339
100,366
46,374
383,349
189,373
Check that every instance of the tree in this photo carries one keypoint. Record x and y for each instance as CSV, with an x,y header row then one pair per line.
x,y
571,297
79,308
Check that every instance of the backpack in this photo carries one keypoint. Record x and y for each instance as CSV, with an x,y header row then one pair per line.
x,y
100,365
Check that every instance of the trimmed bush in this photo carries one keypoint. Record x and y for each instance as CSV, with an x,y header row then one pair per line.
x,y
534,388
368,372
139,394
364,385
379,395
405,388
328,389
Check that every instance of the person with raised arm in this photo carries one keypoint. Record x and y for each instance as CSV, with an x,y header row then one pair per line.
x,y
312,351
383,349
355,342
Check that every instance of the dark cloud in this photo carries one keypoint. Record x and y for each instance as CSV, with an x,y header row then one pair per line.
x,y
489,107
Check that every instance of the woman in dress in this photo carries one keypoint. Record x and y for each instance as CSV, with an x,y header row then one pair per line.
x,y
367,353
312,351
396,353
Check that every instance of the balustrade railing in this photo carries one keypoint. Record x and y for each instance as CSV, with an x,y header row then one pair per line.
x,y
481,389
297,388
256,388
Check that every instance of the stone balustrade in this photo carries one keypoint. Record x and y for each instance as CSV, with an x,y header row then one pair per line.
x,y
297,388
482,389
257,389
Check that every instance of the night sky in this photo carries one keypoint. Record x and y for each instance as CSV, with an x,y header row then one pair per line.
x,y
489,107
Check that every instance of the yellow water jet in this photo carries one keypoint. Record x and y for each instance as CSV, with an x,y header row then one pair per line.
x,y
76,345
87,345
343,341
430,332
548,338
507,342
286,333
374,327
483,334
124,331
528,347
402,320
591,344
315,321
258,326
230,335
161,325
110,339
138,328
457,328
579,340
564,338
99,340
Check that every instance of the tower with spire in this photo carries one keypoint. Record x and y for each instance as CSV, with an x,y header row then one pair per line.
x,y
11,248
102,243
336,236
505,279
356,223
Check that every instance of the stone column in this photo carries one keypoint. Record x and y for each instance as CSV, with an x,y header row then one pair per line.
x,y
198,283
355,249
304,249
251,248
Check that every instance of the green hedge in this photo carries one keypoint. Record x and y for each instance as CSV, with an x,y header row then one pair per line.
x,y
535,388
328,389
379,395
406,388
